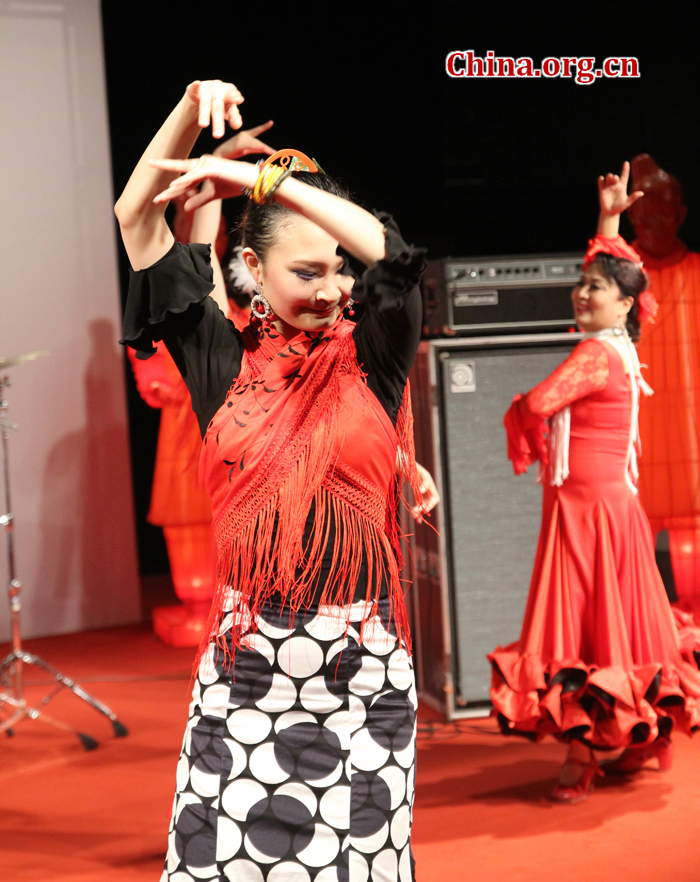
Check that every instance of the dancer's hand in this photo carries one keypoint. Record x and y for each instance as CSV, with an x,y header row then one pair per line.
x,y
245,143
612,191
242,144
217,102
162,393
430,496
145,232
227,177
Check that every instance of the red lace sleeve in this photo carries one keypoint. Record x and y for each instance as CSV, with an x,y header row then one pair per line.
x,y
584,371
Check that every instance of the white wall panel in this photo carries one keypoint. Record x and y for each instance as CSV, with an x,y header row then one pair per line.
x,y
69,461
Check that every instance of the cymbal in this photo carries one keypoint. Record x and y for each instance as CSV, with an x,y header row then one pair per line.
x,y
20,359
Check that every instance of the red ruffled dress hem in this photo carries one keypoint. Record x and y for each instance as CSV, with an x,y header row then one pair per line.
x,y
606,707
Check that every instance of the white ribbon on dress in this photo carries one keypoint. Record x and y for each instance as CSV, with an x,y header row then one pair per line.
x,y
560,422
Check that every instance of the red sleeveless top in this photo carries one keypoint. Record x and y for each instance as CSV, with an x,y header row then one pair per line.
x,y
299,427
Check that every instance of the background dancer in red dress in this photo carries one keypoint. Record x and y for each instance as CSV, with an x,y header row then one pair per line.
x,y
599,663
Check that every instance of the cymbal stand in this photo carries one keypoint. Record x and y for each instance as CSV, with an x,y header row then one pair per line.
x,y
13,703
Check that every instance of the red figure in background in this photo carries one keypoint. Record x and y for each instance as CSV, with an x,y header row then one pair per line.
x,y
669,469
178,504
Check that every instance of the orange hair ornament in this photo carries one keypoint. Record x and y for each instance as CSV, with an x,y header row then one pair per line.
x,y
271,176
293,160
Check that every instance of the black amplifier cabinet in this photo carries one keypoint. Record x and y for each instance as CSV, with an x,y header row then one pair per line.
x,y
471,577
499,295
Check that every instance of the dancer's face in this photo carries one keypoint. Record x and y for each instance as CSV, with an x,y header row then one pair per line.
x,y
597,302
301,278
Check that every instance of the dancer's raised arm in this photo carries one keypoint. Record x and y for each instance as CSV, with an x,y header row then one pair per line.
x,y
207,219
145,233
358,231
612,192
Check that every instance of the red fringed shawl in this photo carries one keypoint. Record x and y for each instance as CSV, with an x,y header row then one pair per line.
x,y
300,426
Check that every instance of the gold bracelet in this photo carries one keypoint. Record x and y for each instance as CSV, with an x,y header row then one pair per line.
x,y
256,187
255,195
275,184
266,180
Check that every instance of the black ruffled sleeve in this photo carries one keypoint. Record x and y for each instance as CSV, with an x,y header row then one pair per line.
x,y
170,301
180,278
388,333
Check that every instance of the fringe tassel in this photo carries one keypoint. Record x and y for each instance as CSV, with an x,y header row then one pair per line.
x,y
256,565
406,446
559,432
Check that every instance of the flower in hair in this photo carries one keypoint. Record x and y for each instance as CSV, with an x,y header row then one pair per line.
x,y
613,245
647,307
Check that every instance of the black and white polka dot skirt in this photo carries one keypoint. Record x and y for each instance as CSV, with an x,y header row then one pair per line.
x,y
301,768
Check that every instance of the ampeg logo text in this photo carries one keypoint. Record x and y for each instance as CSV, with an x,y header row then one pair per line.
x,y
462,376
471,298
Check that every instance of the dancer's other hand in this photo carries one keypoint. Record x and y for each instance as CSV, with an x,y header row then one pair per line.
x,y
217,103
612,192
227,178
429,494
245,143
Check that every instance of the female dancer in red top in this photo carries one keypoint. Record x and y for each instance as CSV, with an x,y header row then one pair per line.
x,y
599,662
298,758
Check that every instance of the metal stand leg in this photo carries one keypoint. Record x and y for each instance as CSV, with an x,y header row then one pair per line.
x,y
12,664
13,704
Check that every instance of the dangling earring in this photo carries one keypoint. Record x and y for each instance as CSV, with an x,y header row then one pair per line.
x,y
349,306
260,308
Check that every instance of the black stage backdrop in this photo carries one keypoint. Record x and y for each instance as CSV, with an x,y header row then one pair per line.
x,y
467,166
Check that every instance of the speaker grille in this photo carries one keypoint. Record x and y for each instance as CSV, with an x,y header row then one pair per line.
x,y
491,518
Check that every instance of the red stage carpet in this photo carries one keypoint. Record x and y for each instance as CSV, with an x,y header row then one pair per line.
x,y
481,812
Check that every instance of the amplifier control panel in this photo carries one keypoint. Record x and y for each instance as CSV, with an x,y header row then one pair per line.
x,y
516,271
468,296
